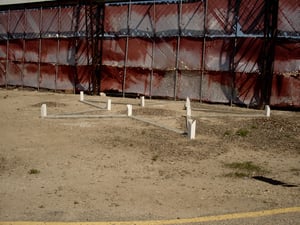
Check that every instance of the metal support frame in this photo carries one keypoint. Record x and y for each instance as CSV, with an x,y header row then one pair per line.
x,y
153,50
40,49
203,48
125,67
179,6
100,34
98,47
58,47
7,48
76,45
89,39
126,49
234,7
24,47
268,50
94,34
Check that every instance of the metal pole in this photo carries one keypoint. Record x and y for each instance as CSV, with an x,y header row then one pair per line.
x,y
232,70
152,69
96,28
87,35
40,50
126,49
6,71
203,48
56,66
100,60
125,67
77,16
270,33
98,47
232,56
24,48
177,49
153,51
58,47
7,48
176,68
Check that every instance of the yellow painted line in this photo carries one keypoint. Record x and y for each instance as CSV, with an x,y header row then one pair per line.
x,y
169,222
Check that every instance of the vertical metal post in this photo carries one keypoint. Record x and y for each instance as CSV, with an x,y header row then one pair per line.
x,y
94,29
99,49
232,66
24,48
77,16
125,67
152,67
91,44
7,48
177,49
203,47
153,50
40,49
268,51
58,47
233,70
6,70
126,49
176,68
89,37
94,15
57,63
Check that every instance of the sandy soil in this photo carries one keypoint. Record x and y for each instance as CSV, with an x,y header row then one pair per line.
x,y
101,169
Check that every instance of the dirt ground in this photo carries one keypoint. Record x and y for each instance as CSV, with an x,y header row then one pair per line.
x,y
120,169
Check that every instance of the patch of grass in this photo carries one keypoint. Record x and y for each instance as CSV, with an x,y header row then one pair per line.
x,y
295,171
2,163
254,126
244,169
236,174
34,171
242,132
227,133
154,158
248,166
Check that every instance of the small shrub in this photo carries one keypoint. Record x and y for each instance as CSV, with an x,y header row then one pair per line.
x,y
254,127
154,158
248,166
244,169
227,133
242,132
34,171
295,171
236,174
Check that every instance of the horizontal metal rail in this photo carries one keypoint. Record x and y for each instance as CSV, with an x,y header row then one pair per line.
x,y
158,125
92,104
83,116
